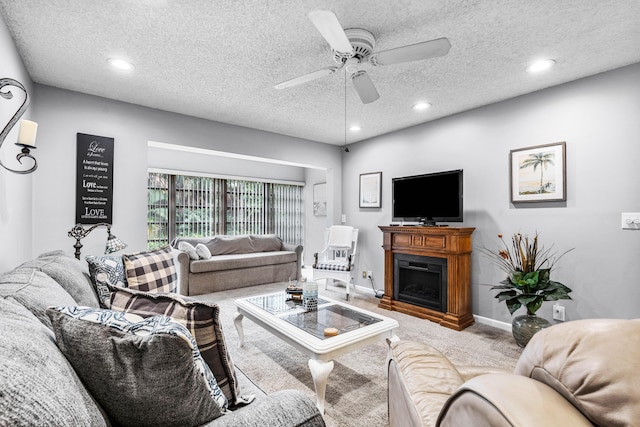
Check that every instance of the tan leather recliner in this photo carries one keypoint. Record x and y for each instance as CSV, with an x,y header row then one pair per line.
x,y
578,373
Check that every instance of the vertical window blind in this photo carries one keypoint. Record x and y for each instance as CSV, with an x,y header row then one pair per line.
x,y
196,206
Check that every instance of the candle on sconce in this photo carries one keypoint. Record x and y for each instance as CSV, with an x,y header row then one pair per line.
x,y
27,133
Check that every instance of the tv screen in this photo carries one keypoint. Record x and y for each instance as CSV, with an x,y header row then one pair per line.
x,y
429,198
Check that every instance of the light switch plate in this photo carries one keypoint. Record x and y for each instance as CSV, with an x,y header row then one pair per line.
x,y
631,220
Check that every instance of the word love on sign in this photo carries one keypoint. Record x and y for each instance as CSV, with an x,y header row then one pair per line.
x,y
94,179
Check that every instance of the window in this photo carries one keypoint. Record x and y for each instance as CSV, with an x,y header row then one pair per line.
x,y
196,206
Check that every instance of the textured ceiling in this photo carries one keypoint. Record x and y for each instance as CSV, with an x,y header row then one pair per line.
x,y
220,59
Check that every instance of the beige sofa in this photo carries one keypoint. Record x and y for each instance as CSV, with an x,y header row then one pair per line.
x,y
579,373
236,262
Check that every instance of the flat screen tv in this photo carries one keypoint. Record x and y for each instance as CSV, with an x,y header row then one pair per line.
x,y
429,198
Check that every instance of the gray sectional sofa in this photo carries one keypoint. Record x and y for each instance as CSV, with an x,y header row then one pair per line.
x,y
39,386
237,261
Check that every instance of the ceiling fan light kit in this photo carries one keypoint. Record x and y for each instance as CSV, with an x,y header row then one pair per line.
x,y
354,47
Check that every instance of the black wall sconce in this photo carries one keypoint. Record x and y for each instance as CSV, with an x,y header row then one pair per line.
x,y
28,129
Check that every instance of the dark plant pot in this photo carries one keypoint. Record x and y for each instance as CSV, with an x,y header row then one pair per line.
x,y
525,326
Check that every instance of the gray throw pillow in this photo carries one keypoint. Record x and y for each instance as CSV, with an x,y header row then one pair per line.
x,y
203,251
144,372
202,319
105,271
189,249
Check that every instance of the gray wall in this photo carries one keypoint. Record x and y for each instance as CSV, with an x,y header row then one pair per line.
x,y
62,114
598,117
15,190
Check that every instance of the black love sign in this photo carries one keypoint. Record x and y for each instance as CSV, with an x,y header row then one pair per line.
x,y
94,179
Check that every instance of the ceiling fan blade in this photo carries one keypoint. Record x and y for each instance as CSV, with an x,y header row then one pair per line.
x,y
364,86
413,52
307,77
327,23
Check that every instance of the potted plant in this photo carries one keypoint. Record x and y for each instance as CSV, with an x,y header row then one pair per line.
x,y
528,266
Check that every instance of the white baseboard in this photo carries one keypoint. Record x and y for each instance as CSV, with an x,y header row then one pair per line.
x,y
491,322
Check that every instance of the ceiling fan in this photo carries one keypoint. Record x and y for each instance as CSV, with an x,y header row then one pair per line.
x,y
351,48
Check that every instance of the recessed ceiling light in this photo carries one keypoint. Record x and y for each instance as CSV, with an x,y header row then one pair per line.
x,y
421,106
355,128
538,66
121,64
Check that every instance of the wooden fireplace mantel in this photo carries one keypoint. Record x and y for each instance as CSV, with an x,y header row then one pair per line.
x,y
452,243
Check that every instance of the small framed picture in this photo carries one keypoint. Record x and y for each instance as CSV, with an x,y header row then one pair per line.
x,y
371,190
320,199
538,174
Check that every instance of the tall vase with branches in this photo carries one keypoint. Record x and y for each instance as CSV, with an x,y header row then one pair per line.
x,y
528,266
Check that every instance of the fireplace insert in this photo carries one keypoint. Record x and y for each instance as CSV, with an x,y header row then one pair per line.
x,y
421,281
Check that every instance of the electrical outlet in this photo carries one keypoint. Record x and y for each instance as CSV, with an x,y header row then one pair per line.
x,y
370,274
558,312
631,220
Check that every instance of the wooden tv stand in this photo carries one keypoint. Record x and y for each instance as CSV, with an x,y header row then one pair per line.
x,y
451,243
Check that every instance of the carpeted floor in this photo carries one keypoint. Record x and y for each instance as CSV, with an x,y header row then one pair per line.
x,y
357,389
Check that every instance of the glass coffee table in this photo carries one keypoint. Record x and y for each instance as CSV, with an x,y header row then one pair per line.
x,y
305,330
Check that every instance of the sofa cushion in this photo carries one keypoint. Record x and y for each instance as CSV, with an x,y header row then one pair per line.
x,y
239,261
38,386
143,372
34,290
593,364
202,321
151,271
227,245
70,273
265,243
106,271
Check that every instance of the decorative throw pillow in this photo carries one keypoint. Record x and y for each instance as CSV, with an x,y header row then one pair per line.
x,y
104,271
138,370
189,249
151,271
200,318
203,251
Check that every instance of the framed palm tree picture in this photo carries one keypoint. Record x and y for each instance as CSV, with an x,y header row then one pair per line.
x,y
538,174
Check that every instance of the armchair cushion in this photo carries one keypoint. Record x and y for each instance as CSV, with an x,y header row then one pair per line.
x,y
596,372
506,400
425,377
333,266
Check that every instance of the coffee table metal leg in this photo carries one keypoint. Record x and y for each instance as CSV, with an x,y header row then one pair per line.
x,y
320,372
237,320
